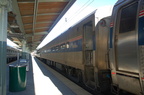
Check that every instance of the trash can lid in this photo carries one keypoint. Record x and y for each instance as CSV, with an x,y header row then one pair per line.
x,y
18,65
23,60
24,65
13,65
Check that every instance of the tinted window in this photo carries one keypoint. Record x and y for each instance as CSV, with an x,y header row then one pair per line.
x,y
128,18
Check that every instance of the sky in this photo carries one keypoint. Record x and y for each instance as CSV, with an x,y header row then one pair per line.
x,y
79,10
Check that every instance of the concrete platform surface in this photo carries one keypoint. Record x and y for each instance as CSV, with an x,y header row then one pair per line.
x,y
42,80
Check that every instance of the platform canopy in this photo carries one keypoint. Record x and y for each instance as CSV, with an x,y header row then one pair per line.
x,y
32,20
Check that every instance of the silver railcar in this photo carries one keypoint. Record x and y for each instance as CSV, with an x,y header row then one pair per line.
x,y
82,51
126,50
127,46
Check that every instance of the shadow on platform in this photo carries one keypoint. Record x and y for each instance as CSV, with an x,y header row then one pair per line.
x,y
61,86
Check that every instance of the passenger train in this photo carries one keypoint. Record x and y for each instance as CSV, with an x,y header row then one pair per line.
x,y
12,53
105,52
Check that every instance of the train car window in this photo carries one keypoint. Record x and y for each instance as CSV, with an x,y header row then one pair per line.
x,y
57,48
54,48
88,35
64,46
67,45
61,47
49,50
128,18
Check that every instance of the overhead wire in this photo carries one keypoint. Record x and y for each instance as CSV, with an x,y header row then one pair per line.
x,y
85,5
81,9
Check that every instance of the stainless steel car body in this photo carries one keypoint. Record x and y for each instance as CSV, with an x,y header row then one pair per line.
x,y
126,46
83,49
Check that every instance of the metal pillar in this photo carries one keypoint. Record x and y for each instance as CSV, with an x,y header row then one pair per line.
x,y
28,58
23,49
4,8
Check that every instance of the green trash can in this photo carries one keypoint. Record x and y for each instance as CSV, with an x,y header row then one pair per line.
x,y
17,78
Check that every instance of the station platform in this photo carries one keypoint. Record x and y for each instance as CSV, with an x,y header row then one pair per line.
x,y
42,80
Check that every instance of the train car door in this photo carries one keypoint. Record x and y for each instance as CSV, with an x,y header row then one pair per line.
x,y
88,54
88,40
126,48
126,40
